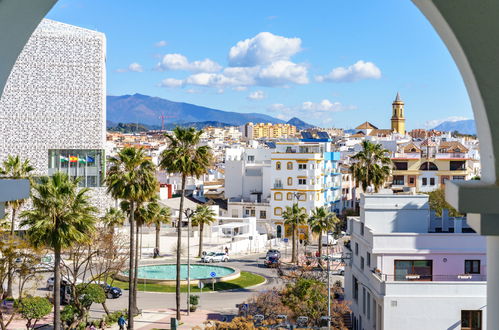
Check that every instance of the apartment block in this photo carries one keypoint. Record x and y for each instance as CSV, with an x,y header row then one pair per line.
x,y
305,172
409,270
267,130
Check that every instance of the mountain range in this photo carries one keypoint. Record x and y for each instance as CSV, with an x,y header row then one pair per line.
x,y
148,110
462,126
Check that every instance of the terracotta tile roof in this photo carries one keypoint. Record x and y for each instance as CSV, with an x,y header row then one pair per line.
x,y
428,143
366,125
451,146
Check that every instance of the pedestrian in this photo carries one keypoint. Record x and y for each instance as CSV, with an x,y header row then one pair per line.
x,y
102,324
226,250
92,327
122,322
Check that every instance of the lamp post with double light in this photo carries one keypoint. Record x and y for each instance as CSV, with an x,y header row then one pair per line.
x,y
188,214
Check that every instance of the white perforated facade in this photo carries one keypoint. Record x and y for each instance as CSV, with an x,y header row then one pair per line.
x,y
55,97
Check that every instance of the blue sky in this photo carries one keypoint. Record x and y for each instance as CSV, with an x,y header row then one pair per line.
x,y
334,63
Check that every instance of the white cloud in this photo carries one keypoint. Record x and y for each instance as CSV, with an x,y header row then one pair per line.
x,y
171,82
256,95
160,43
134,67
240,88
308,110
358,71
435,122
264,48
180,62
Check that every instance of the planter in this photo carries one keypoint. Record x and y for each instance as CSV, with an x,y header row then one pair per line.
x,y
193,308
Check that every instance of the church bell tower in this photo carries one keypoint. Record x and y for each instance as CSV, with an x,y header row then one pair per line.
x,y
398,120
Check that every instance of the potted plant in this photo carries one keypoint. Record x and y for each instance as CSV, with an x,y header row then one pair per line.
x,y
194,302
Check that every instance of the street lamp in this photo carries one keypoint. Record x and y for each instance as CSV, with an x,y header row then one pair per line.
x,y
188,214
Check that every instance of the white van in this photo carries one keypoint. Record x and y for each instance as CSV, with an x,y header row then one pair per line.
x,y
328,240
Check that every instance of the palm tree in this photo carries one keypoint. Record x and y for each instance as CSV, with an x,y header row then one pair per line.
x,y
61,217
185,157
113,217
157,215
204,215
371,166
131,177
14,168
294,216
322,220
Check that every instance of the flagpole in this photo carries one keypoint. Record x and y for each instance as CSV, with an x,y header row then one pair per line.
x,y
86,160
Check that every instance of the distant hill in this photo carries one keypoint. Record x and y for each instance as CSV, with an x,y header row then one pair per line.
x,y
462,126
300,124
147,110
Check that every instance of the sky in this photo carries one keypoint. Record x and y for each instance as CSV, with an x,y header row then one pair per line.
x,y
330,63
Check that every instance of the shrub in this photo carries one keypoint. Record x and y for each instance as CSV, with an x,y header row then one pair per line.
x,y
34,308
194,300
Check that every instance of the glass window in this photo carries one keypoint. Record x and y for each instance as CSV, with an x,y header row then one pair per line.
x,y
398,180
411,180
302,181
400,166
432,181
289,165
87,164
472,266
290,181
471,320
278,196
362,228
368,259
302,166
289,196
413,270
458,165
428,166
355,288
424,181
356,249
278,165
263,214
277,211
362,263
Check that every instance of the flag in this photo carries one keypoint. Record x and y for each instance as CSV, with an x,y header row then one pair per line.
x,y
63,159
73,159
90,159
82,160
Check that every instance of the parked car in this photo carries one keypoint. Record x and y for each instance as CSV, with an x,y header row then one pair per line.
x,y
272,261
215,257
112,292
50,282
340,270
273,252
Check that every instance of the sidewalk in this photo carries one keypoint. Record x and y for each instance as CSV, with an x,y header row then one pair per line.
x,y
160,319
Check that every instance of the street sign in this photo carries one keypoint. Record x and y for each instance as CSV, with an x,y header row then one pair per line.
x,y
200,285
213,274
286,240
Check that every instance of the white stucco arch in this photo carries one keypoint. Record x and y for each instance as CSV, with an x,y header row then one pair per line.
x,y
470,30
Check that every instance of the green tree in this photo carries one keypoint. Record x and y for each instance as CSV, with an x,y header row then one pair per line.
x,y
14,168
204,215
322,221
293,217
113,217
131,177
437,202
157,215
371,166
186,157
61,217
33,309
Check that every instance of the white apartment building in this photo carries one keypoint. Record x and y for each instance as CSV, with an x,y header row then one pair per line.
x,y
247,185
409,270
305,172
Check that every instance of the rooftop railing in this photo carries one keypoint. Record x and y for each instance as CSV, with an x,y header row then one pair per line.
x,y
434,278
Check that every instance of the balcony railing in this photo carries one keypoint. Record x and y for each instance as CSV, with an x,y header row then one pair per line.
x,y
434,278
278,185
453,155
412,155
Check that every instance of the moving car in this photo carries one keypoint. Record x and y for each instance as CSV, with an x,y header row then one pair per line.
x,y
272,261
112,292
273,252
215,257
340,270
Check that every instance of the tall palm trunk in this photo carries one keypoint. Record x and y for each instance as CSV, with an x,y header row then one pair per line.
x,y
57,288
293,245
9,265
136,270
131,271
320,248
179,246
158,236
201,228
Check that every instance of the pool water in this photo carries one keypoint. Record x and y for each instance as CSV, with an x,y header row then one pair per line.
x,y
168,272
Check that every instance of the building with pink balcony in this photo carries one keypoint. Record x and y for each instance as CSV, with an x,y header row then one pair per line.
x,y
407,269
